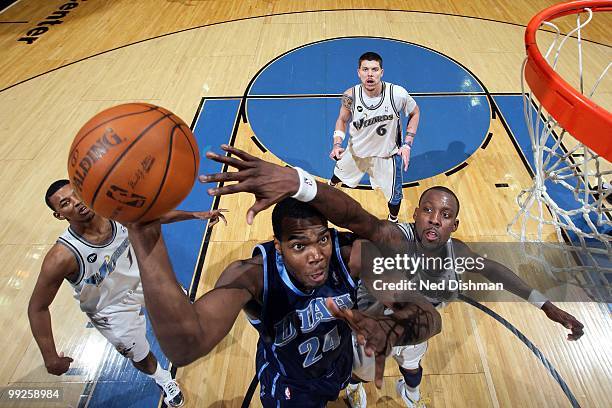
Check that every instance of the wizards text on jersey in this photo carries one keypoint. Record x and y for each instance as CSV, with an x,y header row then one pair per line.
x,y
363,122
109,264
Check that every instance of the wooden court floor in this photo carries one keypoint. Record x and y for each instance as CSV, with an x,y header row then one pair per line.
x,y
172,53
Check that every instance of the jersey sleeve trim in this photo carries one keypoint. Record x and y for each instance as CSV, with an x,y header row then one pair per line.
x,y
78,257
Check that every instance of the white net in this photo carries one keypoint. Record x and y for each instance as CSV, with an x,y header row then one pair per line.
x,y
567,210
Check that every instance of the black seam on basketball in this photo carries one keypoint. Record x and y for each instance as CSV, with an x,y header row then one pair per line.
x,y
116,162
163,180
104,123
196,158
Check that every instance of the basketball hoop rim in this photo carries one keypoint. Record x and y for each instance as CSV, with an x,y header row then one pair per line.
x,y
588,122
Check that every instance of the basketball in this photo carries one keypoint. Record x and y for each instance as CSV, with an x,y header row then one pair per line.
x,y
133,162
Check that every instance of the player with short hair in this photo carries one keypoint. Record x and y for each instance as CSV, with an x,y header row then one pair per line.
x,y
376,145
94,255
290,289
430,236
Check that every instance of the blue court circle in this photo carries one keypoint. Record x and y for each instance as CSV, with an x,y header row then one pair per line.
x,y
293,103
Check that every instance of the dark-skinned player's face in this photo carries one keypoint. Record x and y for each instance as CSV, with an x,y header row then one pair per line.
x,y
435,219
306,247
68,206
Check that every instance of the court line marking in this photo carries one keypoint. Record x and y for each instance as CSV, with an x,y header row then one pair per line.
x,y
534,349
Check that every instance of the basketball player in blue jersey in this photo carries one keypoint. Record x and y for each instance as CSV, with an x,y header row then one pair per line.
x,y
430,236
304,353
94,255
376,145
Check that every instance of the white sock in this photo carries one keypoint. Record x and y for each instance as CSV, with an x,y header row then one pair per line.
x,y
160,375
413,393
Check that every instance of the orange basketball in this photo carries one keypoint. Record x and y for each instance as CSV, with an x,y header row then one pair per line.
x,y
133,162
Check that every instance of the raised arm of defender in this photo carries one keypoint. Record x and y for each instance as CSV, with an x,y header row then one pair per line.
x,y
498,273
270,183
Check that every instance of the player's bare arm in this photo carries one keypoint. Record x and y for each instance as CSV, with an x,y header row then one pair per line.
x,y
59,263
344,116
189,331
178,215
498,273
270,183
411,130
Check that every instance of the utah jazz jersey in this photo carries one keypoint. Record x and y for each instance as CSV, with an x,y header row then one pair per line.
x,y
106,271
303,351
375,129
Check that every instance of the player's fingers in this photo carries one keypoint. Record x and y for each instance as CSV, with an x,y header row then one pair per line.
x,y
230,189
213,221
224,177
379,370
230,161
259,205
221,216
70,360
239,153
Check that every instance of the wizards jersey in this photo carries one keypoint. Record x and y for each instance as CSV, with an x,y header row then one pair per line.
x,y
106,271
375,129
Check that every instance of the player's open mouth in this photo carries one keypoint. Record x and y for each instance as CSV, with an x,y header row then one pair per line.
x,y
83,210
319,276
431,235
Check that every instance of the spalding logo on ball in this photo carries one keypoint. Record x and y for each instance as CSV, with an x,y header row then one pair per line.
x,y
133,162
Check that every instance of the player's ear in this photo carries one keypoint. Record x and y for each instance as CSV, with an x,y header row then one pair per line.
x,y
277,245
58,215
382,71
456,224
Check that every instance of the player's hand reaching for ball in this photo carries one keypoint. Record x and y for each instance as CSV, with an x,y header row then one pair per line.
x,y
214,216
270,183
565,319
58,365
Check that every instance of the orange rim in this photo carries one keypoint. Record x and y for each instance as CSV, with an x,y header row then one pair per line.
x,y
582,118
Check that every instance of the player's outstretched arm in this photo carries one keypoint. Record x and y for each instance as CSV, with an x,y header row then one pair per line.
x,y
178,215
57,265
498,273
185,331
270,183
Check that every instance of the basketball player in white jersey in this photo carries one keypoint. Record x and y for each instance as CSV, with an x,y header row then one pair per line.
x,y
430,235
95,256
376,145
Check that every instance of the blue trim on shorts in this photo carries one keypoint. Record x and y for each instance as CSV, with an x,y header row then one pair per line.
x,y
397,193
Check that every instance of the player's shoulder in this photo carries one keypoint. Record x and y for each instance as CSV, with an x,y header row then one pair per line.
x,y
398,90
59,262
244,273
349,92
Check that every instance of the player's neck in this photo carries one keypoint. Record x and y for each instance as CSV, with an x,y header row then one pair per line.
x,y
94,230
377,91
